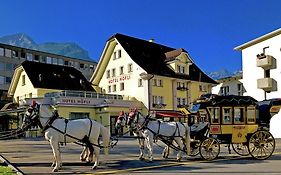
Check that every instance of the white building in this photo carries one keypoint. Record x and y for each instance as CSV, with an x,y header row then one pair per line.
x,y
261,60
229,86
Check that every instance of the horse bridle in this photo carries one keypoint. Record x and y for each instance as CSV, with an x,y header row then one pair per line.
x,y
33,118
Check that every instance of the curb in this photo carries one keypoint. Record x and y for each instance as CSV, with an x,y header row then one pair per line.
x,y
5,161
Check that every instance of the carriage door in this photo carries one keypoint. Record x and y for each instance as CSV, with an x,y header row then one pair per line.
x,y
113,120
239,130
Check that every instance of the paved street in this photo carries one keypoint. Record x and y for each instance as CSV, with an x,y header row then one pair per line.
x,y
34,156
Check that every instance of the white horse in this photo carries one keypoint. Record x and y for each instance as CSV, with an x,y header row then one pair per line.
x,y
61,130
151,129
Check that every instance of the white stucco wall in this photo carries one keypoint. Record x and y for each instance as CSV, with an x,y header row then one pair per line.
x,y
131,80
251,73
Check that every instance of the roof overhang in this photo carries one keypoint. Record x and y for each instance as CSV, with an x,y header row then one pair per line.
x,y
15,80
258,40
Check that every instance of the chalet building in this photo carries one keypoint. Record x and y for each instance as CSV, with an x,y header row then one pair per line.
x,y
262,71
165,79
12,56
34,79
229,86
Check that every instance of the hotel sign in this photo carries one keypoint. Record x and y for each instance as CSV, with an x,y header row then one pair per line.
x,y
121,78
78,101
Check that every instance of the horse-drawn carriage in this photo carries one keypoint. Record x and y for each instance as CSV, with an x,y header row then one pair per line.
x,y
239,121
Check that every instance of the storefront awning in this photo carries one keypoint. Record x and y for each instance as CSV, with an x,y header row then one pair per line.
x,y
170,114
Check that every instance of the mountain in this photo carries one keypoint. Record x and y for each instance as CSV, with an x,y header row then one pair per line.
x,y
222,74
67,49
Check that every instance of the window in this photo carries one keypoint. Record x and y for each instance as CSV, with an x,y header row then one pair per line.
x,y
15,54
160,83
239,115
267,73
130,67
113,72
60,61
154,82
36,58
81,66
78,115
114,88
109,89
227,115
181,69
55,61
1,51
140,84
122,86
240,89
23,55
2,80
66,63
158,100
108,74
121,70
224,90
30,95
251,114
43,59
178,101
23,80
91,67
117,54
49,60
29,56
215,115
8,53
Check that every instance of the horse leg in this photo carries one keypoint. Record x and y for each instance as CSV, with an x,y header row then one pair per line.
x,y
83,154
149,144
141,147
181,146
56,152
166,152
97,155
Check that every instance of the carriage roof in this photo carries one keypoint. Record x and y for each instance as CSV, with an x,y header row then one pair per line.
x,y
229,100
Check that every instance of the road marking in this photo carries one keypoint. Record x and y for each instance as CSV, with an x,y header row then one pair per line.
x,y
172,164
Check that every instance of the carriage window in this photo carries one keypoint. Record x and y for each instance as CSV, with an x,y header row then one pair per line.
x,y
251,115
239,115
215,115
227,115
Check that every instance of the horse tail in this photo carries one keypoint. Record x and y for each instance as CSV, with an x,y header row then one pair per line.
x,y
187,139
105,138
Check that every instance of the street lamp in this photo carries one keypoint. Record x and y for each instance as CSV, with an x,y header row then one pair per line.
x,y
148,77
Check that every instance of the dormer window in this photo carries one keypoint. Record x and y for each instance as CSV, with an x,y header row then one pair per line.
x,y
181,69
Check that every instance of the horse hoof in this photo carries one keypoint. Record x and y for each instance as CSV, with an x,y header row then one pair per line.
x,y
94,167
178,160
55,170
141,158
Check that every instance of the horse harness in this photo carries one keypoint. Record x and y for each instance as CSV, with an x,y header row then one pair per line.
x,y
55,116
156,134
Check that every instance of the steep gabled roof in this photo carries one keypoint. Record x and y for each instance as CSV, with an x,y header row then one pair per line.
x,y
49,76
151,57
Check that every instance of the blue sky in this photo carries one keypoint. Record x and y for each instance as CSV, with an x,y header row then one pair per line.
x,y
207,29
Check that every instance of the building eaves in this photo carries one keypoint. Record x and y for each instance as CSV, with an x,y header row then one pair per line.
x,y
258,40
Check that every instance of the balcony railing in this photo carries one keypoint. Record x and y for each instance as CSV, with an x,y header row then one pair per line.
x,y
159,105
84,94
182,88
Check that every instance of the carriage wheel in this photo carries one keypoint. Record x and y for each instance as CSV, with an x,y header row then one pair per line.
x,y
261,145
209,148
240,148
194,148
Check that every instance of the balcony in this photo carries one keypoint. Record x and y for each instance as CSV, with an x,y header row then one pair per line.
x,y
267,84
182,88
158,105
266,61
